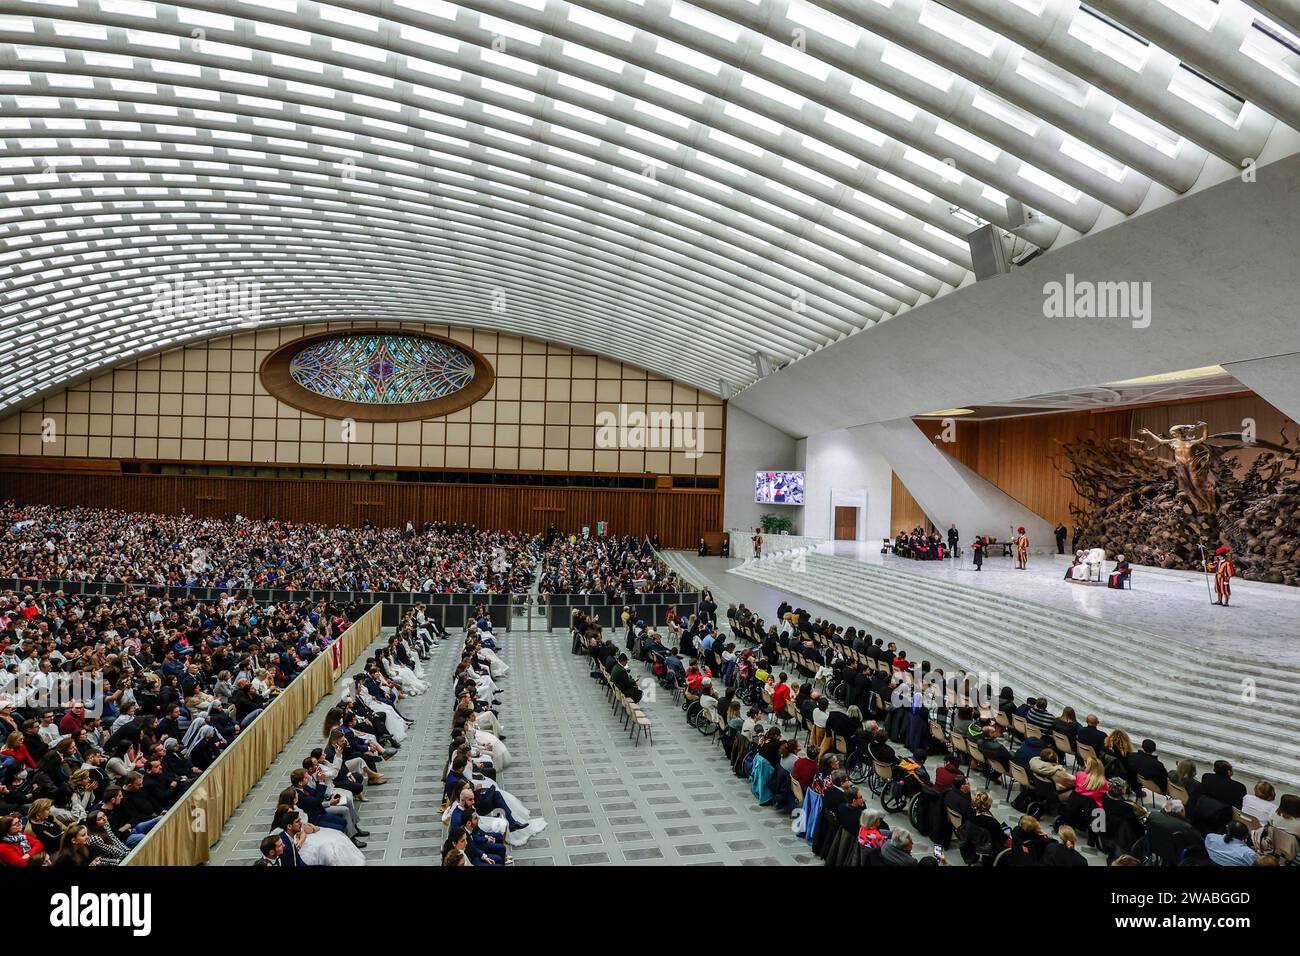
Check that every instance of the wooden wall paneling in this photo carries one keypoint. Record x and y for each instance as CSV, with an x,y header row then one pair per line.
x,y
905,512
1021,455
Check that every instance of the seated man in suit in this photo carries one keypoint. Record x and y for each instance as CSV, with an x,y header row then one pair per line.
x,y
1145,763
957,797
272,849
836,792
289,827
137,813
849,812
623,680
321,808
487,798
1171,833
1221,786
1092,735
483,849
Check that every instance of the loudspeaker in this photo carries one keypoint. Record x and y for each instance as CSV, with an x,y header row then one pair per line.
x,y
762,364
988,255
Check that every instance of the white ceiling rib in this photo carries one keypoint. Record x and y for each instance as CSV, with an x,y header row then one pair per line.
x,y
679,185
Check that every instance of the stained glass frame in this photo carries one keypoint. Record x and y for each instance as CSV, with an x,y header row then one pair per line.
x,y
377,375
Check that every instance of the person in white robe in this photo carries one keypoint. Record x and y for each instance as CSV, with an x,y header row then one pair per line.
x,y
485,655
402,676
495,822
484,739
323,846
487,720
416,667
486,687
394,723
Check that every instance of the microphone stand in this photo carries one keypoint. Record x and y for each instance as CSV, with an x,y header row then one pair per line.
x,y
1206,571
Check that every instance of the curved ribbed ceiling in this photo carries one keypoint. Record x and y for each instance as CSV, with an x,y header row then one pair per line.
x,y
677,185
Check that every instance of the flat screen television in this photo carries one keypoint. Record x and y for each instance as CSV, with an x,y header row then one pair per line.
x,y
778,487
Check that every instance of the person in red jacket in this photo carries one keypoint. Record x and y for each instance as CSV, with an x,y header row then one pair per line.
x,y
73,720
16,847
15,748
804,770
946,775
780,694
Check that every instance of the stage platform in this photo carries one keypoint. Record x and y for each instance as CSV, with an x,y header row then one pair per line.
x,y
1262,625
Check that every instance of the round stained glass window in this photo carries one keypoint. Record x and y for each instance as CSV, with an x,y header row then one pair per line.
x,y
382,369
377,375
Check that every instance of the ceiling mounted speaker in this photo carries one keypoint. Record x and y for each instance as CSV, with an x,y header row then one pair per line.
x,y
1021,220
762,364
724,390
988,255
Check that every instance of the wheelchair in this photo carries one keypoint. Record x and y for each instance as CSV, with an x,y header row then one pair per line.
x,y
903,785
747,690
706,722
857,764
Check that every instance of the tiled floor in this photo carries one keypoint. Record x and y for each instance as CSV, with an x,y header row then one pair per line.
x,y
607,800
612,802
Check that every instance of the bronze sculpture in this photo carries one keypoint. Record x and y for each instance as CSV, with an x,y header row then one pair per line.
x,y
1194,477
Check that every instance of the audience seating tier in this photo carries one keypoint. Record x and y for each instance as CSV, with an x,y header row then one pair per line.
x,y
452,609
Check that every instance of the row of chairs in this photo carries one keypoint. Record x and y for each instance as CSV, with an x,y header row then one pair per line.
x,y
634,719
747,631
1009,773
859,767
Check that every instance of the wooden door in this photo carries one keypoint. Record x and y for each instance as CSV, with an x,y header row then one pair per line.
x,y
846,524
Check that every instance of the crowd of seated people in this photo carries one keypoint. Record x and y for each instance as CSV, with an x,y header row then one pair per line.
x,y
618,567
920,546
88,544
895,712
162,686
483,820
317,818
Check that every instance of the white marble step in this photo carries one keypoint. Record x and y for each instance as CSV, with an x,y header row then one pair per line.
x,y
1176,705
684,571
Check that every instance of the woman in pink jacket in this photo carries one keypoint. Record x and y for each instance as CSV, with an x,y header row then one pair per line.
x,y
1091,781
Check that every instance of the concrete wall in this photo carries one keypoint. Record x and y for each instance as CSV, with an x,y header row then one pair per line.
x,y
948,491
1220,264
754,445
844,469
1276,380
